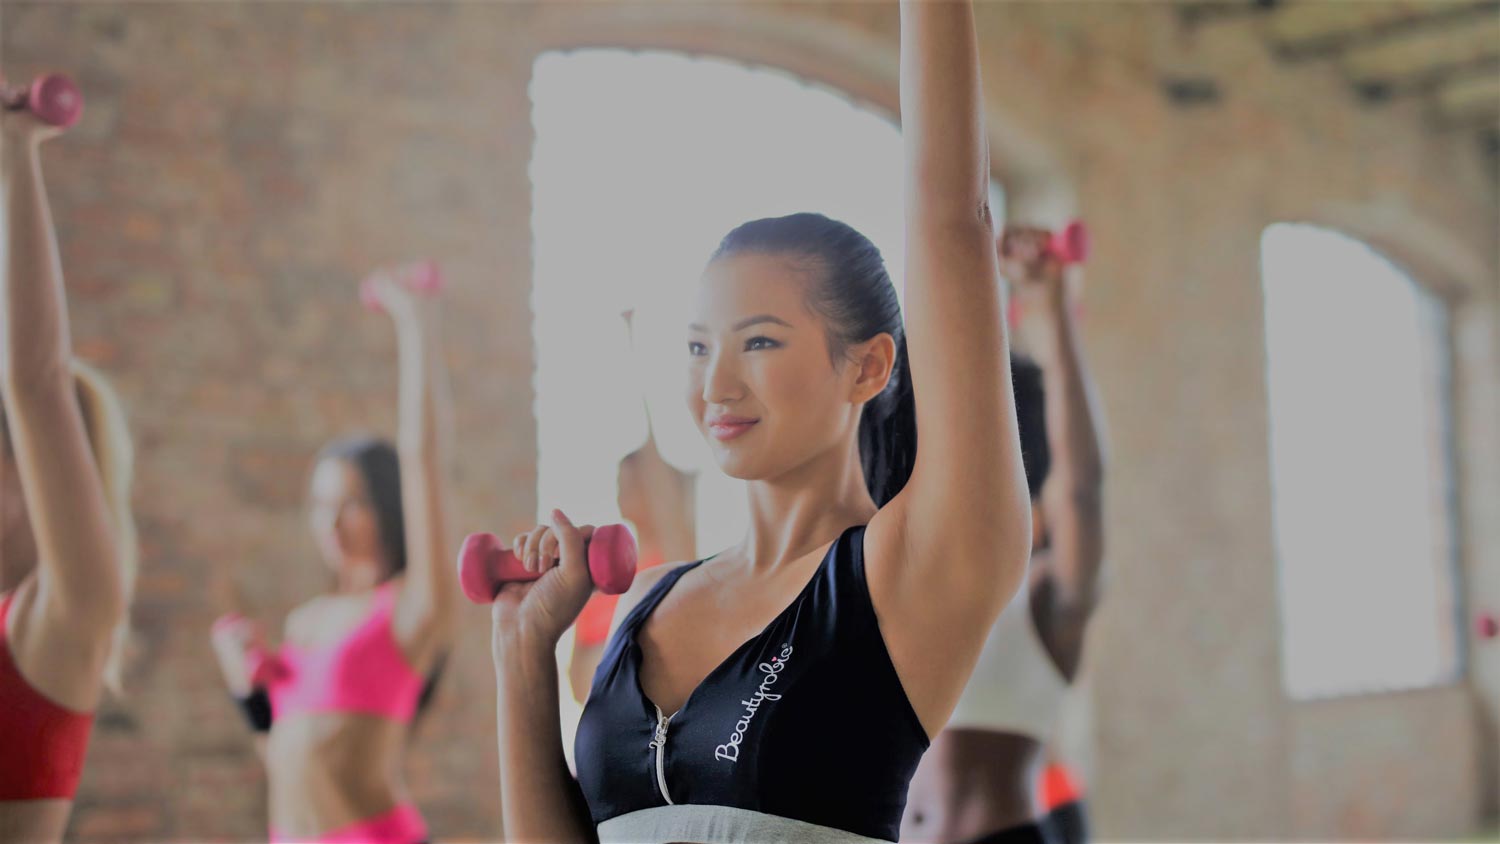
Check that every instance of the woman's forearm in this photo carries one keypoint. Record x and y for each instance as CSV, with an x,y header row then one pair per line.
x,y
422,445
66,503
1073,427
539,799
37,347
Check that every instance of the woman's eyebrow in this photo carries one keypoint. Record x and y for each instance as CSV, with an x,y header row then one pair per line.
x,y
747,322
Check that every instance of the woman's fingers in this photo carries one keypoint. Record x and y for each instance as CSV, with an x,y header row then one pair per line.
x,y
549,548
533,539
570,540
543,548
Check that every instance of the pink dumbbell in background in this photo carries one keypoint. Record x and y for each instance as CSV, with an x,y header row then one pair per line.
x,y
264,666
54,99
1070,244
485,563
422,277
1487,625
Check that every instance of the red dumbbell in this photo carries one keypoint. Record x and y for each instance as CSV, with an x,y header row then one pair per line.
x,y
1070,245
422,277
264,666
485,563
54,99
1487,626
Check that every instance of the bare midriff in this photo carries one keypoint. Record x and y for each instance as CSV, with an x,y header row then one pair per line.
x,y
331,769
972,783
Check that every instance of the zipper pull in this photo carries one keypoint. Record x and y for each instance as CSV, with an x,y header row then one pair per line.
x,y
659,744
661,731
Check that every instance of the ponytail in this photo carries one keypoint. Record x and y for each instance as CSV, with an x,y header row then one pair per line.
x,y
888,432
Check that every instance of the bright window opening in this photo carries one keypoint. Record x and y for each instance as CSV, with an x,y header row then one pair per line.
x,y
1357,383
643,162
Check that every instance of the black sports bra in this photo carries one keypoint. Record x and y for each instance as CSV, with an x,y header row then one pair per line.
x,y
803,733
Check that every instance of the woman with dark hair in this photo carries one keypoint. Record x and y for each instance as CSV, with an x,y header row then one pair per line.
x,y
68,548
785,688
980,780
337,699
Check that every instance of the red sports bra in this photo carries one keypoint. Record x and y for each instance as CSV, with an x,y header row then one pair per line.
x,y
44,743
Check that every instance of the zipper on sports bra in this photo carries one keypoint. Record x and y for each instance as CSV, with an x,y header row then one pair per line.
x,y
659,744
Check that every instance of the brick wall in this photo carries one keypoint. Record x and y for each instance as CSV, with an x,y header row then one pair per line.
x,y
240,166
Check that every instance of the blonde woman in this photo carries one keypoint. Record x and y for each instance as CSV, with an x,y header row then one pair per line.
x,y
67,539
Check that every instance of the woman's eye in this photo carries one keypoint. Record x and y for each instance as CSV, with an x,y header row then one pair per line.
x,y
755,343
697,349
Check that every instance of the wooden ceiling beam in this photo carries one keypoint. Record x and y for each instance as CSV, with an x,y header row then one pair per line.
x,y
1322,28
1198,12
1430,80
1424,50
1469,98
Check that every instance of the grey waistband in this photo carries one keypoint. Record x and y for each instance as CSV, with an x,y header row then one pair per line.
x,y
718,825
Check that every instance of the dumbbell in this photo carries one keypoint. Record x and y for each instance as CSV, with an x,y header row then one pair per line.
x,y
485,563
1070,244
1487,626
265,667
422,277
54,99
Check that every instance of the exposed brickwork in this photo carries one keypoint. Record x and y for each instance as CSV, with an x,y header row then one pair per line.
x,y
240,166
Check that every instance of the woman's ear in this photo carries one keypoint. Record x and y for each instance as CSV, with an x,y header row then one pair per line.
x,y
874,360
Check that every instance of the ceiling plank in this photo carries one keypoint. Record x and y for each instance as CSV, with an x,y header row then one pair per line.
x,y
1196,13
1424,50
1315,19
1323,28
1467,97
1429,81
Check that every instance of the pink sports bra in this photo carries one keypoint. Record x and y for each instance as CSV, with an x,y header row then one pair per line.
x,y
365,673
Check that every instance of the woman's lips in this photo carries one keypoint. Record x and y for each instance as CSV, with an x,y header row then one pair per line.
x,y
727,428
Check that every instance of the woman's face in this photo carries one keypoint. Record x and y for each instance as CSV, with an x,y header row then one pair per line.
x,y
342,516
761,386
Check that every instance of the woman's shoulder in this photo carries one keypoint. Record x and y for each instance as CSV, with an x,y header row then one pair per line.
x,y
645,581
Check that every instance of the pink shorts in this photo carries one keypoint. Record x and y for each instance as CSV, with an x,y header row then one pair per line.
x,y
401,825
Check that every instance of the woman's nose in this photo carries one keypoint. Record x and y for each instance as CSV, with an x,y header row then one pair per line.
x,y
721,382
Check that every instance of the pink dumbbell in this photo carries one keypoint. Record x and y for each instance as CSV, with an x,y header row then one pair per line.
x,y
1487,625
422,277
54,99
485,563
1070,245
265,667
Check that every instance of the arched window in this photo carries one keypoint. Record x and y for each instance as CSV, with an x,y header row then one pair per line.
x,y
642,162
1356,369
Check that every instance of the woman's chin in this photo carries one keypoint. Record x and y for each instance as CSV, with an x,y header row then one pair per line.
x,y
733,464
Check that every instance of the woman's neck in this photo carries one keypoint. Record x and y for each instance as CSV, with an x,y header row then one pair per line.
x,y
360,577
803,510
